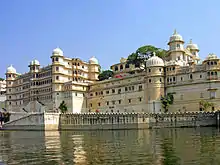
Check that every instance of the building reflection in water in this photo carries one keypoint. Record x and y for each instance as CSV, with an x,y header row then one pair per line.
x,y
53,146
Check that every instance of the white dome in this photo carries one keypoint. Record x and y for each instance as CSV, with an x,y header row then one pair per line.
x,y
154,61
211,56
35,62
176,37
58,52
192,46
93,60
11,69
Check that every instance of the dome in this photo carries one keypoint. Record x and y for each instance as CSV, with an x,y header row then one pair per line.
x,y
212,56
192,46
11,69
93,60
176,37
35,62
154,61
57,51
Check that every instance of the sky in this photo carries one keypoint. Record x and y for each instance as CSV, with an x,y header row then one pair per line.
x,y
106,29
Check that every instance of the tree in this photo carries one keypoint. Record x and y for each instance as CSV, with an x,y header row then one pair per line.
x,y
63,107
205,105
1,79
106,74
166,101
147,51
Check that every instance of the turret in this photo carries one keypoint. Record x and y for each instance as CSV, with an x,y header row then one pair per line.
x,y
34,66
154,83
94,68
176,47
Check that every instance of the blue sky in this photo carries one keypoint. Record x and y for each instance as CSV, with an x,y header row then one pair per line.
x,y
107,29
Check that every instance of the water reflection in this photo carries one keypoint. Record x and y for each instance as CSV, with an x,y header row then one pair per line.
x,y
159,147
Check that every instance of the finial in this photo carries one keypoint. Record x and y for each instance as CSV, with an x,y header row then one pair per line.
x,y
175,32
154,54
190,41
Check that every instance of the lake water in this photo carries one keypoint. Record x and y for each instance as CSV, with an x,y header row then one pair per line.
x,y
187,146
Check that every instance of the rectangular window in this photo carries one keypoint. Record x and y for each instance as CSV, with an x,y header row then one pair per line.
x,y
119,91
212,94
90,105
201,95
99,104
107,92
129,100
126,88
140,99
119,101
107,102
140,88
113,90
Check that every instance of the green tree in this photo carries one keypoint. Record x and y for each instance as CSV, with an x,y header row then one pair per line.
x,y
63,107
106,74
166,101
147,50
205,105
1,79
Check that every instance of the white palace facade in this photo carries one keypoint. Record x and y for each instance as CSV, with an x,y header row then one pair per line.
x,y
182,73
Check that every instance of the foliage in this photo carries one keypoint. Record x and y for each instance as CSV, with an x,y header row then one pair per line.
x,y
147,50
6,116
205,105
169,153
63,107
1,79
106,74
166,101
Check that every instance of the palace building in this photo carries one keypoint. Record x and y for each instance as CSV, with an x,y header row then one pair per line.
x,y
182,73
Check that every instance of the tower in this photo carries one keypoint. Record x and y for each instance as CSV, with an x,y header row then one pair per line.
x,y
94,69
194,50
11,75
57,76
176,48
154,83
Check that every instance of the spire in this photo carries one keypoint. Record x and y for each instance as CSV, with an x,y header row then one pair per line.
x,y
175,32
190,41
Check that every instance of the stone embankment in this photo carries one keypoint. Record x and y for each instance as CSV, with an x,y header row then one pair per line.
x,y
113,121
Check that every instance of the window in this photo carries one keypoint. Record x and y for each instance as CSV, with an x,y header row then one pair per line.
x,y
212,94
99,104
90,105
119,101
174,78
107,102
181,97
119,91
178,45
75,94
56,59
107,92
132,87
113,90
96,93
160,69
129,100
140,99
201,95
149,80
190,76
113,102
57,68
140,88
57,77
149,70
126,88
200,76
121,67
160,79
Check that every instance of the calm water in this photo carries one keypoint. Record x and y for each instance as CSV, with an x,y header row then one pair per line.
x,y
200,146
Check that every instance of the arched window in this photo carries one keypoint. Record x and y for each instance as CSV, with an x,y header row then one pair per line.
x,y
121,67
116,68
